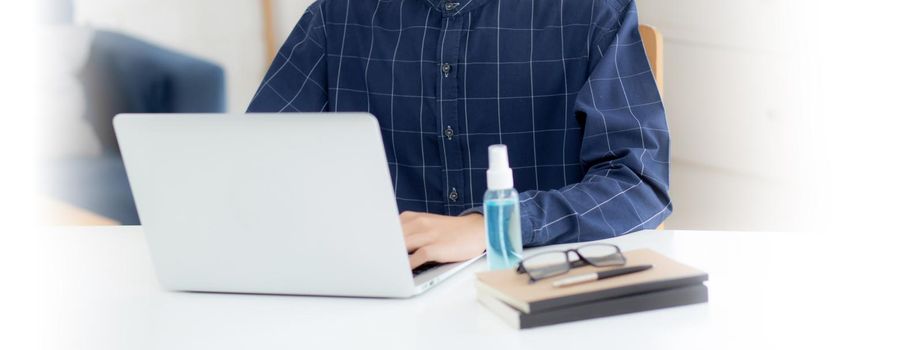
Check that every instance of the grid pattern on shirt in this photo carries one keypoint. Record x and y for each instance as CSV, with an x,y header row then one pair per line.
x,y
565,84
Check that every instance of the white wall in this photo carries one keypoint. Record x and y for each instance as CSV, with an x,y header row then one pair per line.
x,y
733,94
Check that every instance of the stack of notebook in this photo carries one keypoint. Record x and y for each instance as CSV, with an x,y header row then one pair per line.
x,y
525,305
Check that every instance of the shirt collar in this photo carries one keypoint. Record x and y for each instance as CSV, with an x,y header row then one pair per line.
x,y
455,7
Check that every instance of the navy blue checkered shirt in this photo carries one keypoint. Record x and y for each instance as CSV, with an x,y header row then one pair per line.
x,y
565,84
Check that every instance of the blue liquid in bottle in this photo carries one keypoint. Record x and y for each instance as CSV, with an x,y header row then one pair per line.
x,y
503,228
502,212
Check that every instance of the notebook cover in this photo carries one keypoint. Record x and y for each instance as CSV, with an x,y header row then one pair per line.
x,y
514,289
681,296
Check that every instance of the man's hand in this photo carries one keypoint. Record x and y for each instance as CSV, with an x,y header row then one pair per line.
x,y
443,239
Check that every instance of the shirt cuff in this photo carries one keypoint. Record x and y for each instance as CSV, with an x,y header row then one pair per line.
x,y
527,226
527,234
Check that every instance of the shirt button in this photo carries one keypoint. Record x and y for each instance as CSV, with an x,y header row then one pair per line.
x,y
450,5
445,68
454,195
449,133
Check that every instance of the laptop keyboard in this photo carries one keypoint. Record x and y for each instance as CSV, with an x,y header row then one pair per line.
x,y
424,267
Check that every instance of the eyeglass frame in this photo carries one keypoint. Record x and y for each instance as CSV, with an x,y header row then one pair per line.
x,y
582,261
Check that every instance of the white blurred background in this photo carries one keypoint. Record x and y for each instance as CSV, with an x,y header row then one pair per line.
x,y
785,115
770,102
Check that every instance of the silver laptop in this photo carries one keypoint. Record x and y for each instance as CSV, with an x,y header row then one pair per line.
x,y
275,204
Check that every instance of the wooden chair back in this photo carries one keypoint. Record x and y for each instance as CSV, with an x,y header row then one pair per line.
x,y
654,47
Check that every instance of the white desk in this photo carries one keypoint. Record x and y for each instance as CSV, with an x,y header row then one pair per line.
x,y
102,294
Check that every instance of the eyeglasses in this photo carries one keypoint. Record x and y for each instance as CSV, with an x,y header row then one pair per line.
x,y
555,263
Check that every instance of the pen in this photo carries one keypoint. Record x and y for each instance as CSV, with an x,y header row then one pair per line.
x,y
594,276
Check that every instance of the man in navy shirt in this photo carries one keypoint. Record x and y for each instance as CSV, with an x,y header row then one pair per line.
x,y
564,83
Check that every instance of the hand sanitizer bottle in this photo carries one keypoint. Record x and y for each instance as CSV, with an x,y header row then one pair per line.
x,y
501,209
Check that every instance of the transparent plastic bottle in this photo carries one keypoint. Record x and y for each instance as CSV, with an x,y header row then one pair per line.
x,y
501,209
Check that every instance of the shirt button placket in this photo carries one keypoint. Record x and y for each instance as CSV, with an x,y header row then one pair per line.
x,y
445,68
451,6
449,52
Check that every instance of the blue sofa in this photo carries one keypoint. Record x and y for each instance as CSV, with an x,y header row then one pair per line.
x,y
127,75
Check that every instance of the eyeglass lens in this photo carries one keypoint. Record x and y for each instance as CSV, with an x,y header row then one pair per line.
x,y
556,263
546,265
602,255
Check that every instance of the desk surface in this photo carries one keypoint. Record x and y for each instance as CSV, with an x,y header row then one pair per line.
x,y
57,212
102,294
